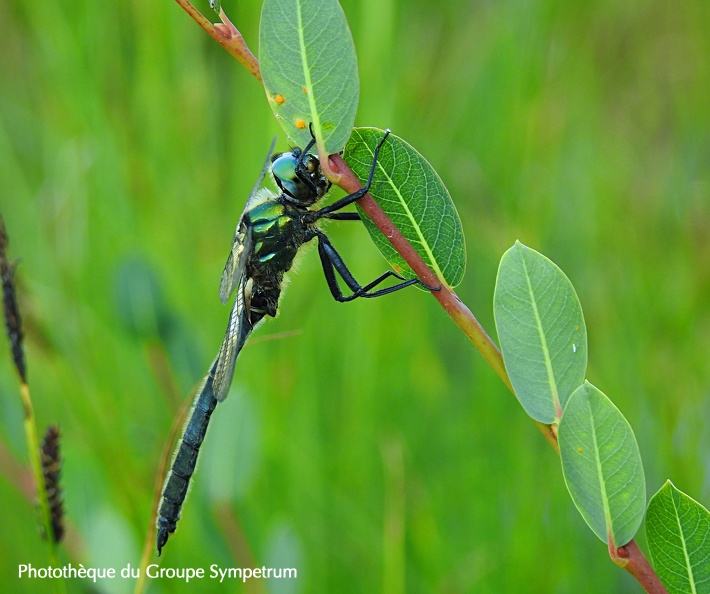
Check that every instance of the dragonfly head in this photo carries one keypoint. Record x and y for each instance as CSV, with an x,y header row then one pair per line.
x,y
299,176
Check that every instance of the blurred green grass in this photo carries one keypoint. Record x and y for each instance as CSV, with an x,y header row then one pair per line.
x,y
372,449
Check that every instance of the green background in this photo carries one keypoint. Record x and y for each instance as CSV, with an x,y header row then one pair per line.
x,y
370,447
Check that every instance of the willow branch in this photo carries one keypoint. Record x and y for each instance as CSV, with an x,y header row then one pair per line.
x,y
630,556
632,559
227,35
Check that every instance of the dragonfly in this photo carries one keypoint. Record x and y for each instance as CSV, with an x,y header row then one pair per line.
x,y
270,232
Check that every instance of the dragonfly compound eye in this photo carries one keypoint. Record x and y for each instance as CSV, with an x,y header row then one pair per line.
x,y
284,167
284,170
298,175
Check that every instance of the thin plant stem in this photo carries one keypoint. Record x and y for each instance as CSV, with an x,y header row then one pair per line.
x,y
227,35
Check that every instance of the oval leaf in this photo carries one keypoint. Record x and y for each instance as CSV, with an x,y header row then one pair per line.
x,y
541,331
678,533
309,68
412,194
602,466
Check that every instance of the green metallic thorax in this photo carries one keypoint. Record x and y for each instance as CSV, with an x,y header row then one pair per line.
x,y
277,231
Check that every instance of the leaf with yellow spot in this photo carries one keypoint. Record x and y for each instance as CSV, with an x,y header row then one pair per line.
x,y
309,68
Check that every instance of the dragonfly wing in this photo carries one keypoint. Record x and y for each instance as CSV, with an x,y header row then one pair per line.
x,y
241,244
264,169
238,330
239,326
236,262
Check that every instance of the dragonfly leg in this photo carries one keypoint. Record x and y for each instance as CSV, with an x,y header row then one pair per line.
x,y
343,216
338,204
332,262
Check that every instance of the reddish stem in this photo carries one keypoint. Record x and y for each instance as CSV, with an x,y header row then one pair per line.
x,y
227,35
639,567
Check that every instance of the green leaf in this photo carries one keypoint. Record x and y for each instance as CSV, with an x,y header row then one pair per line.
x,y
602,466
541,331
412,194
309,68
678,533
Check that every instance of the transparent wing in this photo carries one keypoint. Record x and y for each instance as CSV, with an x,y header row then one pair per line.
x,y
239,326
264,169
238,330
236,262
241,244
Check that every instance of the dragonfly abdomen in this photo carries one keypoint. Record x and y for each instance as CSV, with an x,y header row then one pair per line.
x,y
178,481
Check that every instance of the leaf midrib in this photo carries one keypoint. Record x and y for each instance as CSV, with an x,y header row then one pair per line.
x,y
315,120
543,341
